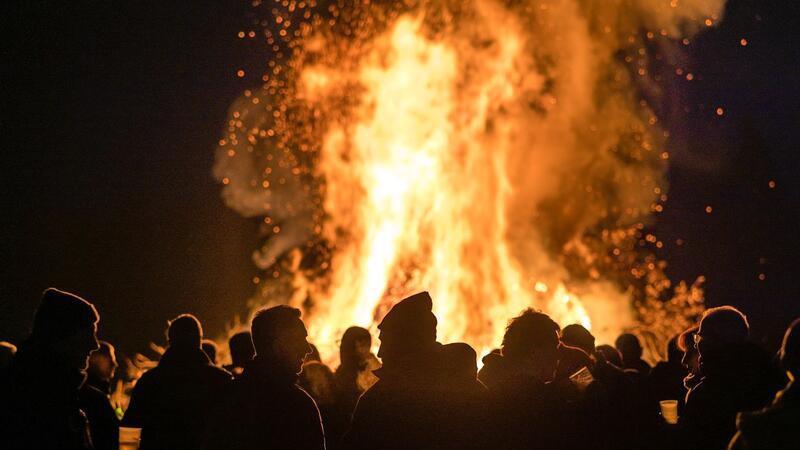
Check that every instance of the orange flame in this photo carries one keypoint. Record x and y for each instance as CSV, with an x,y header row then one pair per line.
x,y
467,149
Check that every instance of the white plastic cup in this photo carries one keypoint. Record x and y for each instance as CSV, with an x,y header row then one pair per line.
x,y
669,411
129,438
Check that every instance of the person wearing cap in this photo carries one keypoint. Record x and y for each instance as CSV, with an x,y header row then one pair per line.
x,y
172,401
411,405
40,407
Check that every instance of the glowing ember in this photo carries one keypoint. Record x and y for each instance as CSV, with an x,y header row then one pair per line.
x,y
492,153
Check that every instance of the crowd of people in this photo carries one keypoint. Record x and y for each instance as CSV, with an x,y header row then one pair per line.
x,y
546,387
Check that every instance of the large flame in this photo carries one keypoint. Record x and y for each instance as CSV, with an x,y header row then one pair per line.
x,y
494,154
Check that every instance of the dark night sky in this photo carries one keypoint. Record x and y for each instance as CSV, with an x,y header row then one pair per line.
x,y
111,111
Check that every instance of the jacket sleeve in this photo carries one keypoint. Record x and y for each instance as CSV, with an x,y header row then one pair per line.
x,y
137,407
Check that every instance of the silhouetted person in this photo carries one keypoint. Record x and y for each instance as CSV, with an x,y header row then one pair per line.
x,y
410,406
242,351
737,376
460,359
690,359
469,396
352,378
776,426
631,349
492,372
94,398
39,407
665,381
571,360
318,381
355,359
576,335
610,354
210,349
526,409
264,408
621,418
171,402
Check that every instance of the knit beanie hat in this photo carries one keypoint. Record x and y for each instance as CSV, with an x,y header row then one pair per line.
x,y
412,317
61,314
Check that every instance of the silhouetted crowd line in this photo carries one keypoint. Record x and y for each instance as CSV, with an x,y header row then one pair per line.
x,y
547,387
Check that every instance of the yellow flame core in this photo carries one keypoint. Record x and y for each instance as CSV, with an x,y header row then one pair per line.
x,y
415,180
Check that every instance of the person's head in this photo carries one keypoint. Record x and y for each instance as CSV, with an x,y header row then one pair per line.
x,y
719,327
629,346
531,344
184,331
7,352
690,358
67,324
355,346
571,360
103,362
280,336
576,335
210,349
408,329
461,360
241,347
610,354
790,350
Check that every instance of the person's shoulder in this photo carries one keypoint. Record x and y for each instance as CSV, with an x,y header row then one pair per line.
x,y
217,373
768,424
149,376
697,393
91,393
300,394
708,392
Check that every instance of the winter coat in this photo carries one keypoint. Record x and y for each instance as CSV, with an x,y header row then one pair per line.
x,y
39,407
418,406
265,409
171,402
526,413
